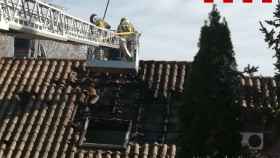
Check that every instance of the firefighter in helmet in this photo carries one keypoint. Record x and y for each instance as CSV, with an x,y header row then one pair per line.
x,y
127,31
99,22
126,28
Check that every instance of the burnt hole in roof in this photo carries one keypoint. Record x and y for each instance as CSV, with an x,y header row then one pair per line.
x,y
106,133
23,99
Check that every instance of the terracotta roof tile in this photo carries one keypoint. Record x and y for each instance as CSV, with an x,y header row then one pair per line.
x,y
259,92
37,106
133,150
164,76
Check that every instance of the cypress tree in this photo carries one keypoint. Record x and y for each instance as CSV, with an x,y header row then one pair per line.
x,y
210,113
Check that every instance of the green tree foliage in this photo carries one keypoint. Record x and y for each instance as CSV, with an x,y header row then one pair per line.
x,y
210,113
272,37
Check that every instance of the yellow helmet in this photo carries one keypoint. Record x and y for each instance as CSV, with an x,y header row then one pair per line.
x,y
124,19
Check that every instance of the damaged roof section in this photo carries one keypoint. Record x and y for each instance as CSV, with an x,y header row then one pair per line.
x,y
41,125
39,100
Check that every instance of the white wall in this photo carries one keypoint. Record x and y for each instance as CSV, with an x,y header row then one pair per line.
x,y
6,45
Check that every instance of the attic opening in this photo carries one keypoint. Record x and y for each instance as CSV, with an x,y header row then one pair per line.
x,y
106,133
23,99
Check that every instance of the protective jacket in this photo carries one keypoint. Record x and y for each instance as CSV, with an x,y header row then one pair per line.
x,y
125,28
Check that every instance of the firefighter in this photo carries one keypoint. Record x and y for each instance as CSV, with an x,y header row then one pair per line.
x,y
126,28
127,31
99,22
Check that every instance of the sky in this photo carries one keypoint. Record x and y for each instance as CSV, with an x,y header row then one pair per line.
x,y
171,28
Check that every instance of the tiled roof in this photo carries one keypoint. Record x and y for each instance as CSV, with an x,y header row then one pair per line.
x,y
164,76
37,105
133,150
260,93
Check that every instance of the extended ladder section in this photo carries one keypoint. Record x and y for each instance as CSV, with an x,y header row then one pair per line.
x,y
41,19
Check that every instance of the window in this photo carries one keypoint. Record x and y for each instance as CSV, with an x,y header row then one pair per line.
x,y
22,47
106,133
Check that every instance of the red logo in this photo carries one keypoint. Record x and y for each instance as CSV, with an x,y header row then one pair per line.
x,y
244,1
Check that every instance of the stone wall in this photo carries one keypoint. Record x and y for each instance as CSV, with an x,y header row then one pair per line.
x,y
6,45
55,49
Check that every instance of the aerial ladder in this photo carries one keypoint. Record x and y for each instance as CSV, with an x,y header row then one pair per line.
x,y
40,19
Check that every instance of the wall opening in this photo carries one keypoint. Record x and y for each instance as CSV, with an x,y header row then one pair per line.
x,y
22,47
